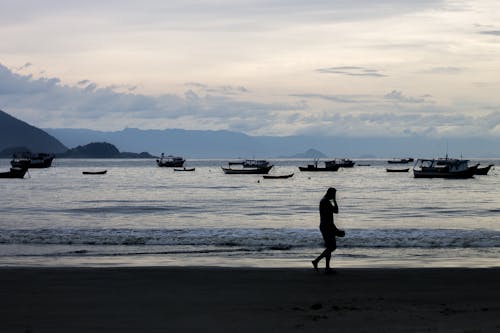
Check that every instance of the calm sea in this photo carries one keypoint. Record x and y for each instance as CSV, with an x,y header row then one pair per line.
x,y
139,214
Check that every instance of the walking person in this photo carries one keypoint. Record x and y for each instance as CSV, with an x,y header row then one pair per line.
x,y
328,228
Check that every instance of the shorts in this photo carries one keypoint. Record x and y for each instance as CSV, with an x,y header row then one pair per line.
x,y
329,237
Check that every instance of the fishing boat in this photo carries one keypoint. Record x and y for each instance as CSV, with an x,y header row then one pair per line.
x,y
102,172
185,169
345,163
443,168
28,160
483,171
397,170
400,160
247,171
14,173
251,163
278,176
329,166
170,161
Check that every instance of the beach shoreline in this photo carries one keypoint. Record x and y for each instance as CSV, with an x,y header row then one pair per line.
x,y
225,299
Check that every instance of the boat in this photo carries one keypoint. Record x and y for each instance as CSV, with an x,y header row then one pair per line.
x,y
329,166
247,171
251,163
28,160
400,160
102,172
185,169
483,171
443,168
14,173
345,163
278,176
364,164
170,161
397,170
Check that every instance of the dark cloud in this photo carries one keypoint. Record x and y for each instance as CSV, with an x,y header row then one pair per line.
x,y
351,71
83,82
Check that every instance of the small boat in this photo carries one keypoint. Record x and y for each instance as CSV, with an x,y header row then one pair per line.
x,y
400,160
247,171
251,163
14,173
329,166
102,172
397,170
278,176
170,161
363,164
483,171
29,160
444,168
185,169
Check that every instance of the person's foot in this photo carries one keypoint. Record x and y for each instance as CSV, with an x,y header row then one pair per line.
x,y
329,270
315,265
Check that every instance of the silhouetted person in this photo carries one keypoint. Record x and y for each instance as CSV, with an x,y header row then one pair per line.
x,y
328,228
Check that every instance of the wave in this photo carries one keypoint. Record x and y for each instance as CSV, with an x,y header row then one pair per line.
x,y
253,238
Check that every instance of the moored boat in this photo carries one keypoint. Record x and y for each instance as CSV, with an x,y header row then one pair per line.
x,y
397,170
185,169
28,160
329,166
484,170
14,173
102,172
345,163
278,176
247,171
170,161
443,168
251,163
400,160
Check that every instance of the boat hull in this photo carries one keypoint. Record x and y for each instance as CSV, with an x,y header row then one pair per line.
x,y
469,173
278,176
32,164
14,173
247,171
103,172
398,170
170,164
314,168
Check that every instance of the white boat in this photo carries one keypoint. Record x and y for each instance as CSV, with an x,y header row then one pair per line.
x,y
170,161
251,163
443,168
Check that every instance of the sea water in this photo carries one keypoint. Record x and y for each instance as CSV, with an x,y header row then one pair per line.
x,y
139,215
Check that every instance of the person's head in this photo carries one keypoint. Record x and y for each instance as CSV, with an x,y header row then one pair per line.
x,y
330,193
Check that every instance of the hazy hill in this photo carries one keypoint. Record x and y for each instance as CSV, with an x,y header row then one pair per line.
x,y
17,133
100,150
227,144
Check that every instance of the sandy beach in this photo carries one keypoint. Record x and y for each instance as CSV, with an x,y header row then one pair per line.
x,y
178,299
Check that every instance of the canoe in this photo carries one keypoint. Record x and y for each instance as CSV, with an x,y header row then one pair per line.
x,y
185,169
278,176
103,172
398,170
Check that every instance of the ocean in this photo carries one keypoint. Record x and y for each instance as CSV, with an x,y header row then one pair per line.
x,y
141,215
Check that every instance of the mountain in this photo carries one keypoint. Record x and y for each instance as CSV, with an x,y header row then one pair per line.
x,y
310,153
100,150
227,144
17,133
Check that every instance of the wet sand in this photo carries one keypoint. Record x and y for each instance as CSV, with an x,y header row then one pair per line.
x,y
179,299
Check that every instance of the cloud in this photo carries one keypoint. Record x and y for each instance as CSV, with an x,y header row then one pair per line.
x,y
398,96
351,71
444,70
490,32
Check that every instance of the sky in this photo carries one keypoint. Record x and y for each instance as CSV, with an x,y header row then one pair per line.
x,y
337,67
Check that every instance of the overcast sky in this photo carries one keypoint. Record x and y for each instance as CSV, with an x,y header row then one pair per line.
x,y
339,67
